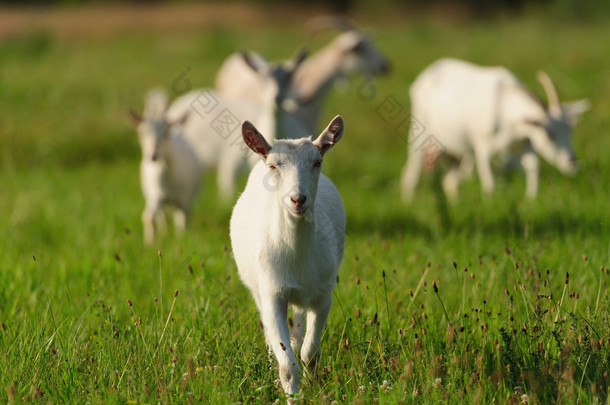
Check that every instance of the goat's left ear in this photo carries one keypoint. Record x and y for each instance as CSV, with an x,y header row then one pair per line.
x,y
331,135
575,109
255,139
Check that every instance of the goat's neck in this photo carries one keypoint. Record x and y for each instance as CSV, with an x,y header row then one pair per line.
x,y
316,75
289,231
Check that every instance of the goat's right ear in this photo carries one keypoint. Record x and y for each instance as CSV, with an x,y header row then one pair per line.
x,y
134,117
331,135
255,139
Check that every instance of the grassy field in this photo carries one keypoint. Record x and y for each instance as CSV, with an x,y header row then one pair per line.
x,y
494,299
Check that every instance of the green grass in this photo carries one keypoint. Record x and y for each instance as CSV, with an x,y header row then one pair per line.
x,y
505,321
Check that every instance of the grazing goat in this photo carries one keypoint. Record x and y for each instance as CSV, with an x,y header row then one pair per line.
x,y
288,235
477,112
350,52
170,172
214,119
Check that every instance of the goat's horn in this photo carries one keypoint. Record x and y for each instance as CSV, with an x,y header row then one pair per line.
x,y
551,93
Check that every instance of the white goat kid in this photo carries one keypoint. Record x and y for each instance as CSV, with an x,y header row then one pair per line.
x,y
350,52
170,173
213,121
288,235
477,112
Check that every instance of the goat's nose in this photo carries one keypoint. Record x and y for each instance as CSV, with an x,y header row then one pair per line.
x,y
298,200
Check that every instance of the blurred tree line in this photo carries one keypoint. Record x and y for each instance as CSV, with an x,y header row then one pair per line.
x,y
570,9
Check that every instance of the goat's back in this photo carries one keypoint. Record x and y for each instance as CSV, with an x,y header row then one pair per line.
x,y
459,102
214,121
236,79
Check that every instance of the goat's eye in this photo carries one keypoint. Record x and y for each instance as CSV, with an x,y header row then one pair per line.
x,y
317,164
272,167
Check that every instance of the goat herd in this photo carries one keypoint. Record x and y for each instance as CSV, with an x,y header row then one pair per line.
x,y
288,226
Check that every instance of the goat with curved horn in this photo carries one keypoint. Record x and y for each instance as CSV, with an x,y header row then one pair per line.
x,y
478,112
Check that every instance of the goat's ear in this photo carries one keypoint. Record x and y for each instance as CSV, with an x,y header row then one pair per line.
x,y
255,139
331,135
535,122
180,120
575,109
252,61
134,117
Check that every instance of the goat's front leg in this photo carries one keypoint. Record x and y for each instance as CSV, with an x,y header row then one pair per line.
x,y
274,313
180,215
148,225
153,220
529,162
316,319
483,160
297,329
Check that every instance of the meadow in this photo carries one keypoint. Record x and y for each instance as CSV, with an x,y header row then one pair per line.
x,y
491,299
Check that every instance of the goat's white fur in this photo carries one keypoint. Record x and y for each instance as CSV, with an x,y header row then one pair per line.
x,y
287,235
213,124
350,52
170,172
476,112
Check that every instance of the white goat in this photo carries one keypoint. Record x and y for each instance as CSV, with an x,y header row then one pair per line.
x,y
473,113
288,235
170,172
214,120
350,52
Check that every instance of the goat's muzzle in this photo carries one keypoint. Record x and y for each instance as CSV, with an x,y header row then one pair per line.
x,y
298,202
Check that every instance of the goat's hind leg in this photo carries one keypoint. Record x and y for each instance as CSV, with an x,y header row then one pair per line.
x,y
454,176
410,173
